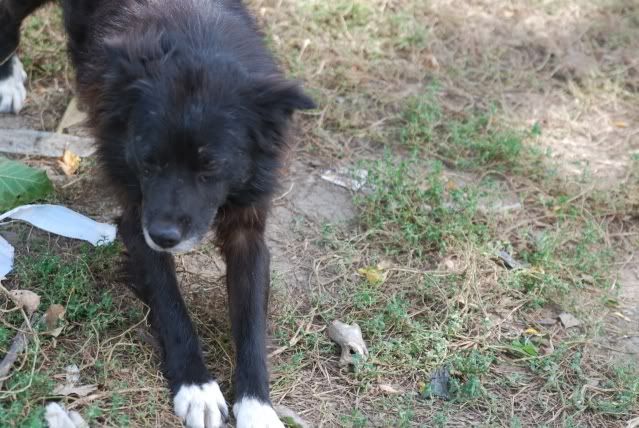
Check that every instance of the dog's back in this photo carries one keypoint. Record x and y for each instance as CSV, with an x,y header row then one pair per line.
x,y
205,31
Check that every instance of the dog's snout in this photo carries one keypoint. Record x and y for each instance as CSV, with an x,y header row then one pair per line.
x,y
165,234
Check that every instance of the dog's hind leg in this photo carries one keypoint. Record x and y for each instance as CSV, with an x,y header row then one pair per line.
x,y
197,396
241,238
12,75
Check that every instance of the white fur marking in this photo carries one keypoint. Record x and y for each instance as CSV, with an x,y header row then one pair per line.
x,y
12,90
251,413
201,406
181,248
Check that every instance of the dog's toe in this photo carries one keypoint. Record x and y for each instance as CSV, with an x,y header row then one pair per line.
x,y
12,90
201,406
252,413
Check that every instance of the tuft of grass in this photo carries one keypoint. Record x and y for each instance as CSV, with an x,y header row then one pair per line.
x,y
24,409
472,141
468,369
417,208
96,337
43,45
72,282
418,313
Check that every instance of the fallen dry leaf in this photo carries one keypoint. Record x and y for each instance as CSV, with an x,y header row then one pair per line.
x,y
79,390
533,332
388,389
373,275
622,316
431,62
28,300
53,315
70,162
385,264
568,320
72,117
349,337
449,264
70,386
72,374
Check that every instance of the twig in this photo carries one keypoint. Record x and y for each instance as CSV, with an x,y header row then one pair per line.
x,y
93,397
18,345
283,195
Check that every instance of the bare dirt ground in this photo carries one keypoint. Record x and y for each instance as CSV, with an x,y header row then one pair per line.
x,y
567,70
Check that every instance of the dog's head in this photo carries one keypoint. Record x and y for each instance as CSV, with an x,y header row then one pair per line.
x,y
198,134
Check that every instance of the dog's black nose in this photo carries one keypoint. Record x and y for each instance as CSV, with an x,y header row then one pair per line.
x,y
166,235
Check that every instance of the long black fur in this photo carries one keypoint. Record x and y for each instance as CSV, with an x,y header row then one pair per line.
x,y
189,111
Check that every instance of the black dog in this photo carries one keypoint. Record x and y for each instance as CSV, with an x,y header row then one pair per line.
x,y
189,111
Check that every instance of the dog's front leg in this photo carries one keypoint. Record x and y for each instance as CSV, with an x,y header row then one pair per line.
x,y
241,238
197,396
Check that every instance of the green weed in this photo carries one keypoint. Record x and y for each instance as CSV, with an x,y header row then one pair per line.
x,y
71,282
418,213
471,142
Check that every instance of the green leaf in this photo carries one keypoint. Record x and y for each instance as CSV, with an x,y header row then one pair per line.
x,y
21,184
525,347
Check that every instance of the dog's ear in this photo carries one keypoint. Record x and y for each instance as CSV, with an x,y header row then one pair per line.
x,y
274,100
135,59
279,97
129,67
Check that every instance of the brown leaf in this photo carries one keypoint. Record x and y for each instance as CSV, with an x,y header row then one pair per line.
x,y
28,300
53,315
54,333
385,264
72,117
388,389
431,62
449,264
72,374
569,320
78,390
373,275
70,162
349,337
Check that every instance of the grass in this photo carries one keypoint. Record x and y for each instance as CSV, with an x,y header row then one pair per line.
x,y
72,283
475,134
430,281
95,334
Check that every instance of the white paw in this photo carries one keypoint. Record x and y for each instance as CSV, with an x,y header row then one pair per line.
x,y
12,90
251,413
201,406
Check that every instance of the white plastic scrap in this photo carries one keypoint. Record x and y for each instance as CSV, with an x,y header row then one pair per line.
x,y
55,219
349,179
58,417
6,257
